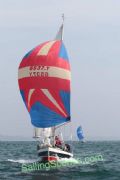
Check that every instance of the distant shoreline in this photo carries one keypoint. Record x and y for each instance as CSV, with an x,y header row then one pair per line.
x,y
32,140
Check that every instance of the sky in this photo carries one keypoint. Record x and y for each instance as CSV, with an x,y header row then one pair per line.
x,y
92,39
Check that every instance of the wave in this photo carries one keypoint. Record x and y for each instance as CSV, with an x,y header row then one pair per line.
x,y
23,161
71,160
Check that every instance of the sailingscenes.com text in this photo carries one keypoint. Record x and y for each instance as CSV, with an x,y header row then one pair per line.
x,y
36,166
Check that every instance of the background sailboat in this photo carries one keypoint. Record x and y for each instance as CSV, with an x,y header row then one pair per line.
x,y
80,134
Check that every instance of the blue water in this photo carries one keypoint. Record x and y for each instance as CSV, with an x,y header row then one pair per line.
x,y
15,154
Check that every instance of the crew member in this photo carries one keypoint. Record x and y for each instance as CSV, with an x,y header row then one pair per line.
x,y
58,142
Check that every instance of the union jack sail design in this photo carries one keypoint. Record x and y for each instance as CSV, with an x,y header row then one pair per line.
x,y
44,82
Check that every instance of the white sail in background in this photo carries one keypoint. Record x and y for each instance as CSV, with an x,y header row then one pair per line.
x,y
37,132
48,132
43,132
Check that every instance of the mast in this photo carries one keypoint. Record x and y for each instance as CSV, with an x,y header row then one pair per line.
x,y
63,18
59,35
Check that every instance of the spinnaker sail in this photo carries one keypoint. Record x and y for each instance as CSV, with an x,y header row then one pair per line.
x,y
44,83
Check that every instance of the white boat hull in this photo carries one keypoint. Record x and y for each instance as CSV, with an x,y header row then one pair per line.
x,y
53,153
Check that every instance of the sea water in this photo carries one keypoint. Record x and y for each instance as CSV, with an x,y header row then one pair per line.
x,y
91,161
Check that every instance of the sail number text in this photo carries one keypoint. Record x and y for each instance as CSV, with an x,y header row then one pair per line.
x,y
38,71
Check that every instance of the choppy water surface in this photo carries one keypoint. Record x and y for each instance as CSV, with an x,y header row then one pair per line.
x,y
84,165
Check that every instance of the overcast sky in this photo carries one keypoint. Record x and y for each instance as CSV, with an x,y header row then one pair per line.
x,y
92,39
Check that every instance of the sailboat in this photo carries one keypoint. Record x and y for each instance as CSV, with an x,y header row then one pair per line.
x,y
44,82
80,134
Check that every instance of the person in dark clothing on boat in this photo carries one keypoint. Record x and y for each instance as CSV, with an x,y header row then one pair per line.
x,y
67,148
